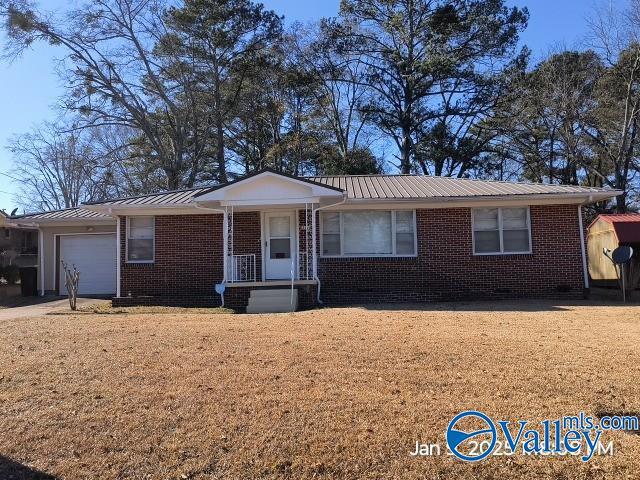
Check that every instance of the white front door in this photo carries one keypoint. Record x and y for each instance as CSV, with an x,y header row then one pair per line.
x,y
279,245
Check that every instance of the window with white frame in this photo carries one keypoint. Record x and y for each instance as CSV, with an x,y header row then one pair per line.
x,y
362,233
501,231
140,239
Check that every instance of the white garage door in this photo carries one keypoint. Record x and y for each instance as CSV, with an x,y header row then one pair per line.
x,y
95,258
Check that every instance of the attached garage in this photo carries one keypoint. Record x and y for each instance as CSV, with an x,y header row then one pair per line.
x,y
94,255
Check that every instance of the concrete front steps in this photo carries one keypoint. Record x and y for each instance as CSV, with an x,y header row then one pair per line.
x,y
272,301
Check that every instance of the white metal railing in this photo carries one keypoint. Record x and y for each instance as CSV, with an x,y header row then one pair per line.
x,y
305,272
242,268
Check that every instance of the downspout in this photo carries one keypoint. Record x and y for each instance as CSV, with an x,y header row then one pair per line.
x,y
585,270
313,236
225,228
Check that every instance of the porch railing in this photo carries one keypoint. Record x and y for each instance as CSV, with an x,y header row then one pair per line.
x,y
305,271
242,268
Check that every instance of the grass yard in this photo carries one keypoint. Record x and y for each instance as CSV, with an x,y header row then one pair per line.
x,y
335,393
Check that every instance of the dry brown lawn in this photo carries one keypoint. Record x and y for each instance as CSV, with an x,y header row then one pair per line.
x,y
336,393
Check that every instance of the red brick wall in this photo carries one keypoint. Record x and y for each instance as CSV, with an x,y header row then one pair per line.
x,y
188,258
446,269
188,262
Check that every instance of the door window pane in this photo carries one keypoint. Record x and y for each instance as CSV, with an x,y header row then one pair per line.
x,y
280,226
367,232
280,248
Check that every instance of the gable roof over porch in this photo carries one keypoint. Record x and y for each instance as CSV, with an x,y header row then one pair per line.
x,y
268,187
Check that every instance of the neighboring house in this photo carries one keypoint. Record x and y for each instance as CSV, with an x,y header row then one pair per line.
x,y
609,232
344,239
18,246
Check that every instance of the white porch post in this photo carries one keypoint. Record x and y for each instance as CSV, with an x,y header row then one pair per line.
x,y
313,244
225,239
118,259
41,258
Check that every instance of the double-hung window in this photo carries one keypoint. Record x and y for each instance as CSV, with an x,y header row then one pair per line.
x,y
501,231
140,239
363,233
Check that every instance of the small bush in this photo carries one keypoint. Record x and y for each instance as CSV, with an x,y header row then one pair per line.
x,y
11,274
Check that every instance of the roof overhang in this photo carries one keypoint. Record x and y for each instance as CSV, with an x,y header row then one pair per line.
x,y
577,198
124,210
60,222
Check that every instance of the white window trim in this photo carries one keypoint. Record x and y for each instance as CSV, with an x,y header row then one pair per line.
x,y
500,232
371,255
126,244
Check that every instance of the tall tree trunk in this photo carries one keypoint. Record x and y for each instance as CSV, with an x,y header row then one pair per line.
x,y
220,160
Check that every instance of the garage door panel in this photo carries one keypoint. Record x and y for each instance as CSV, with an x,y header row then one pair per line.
x,y
95,258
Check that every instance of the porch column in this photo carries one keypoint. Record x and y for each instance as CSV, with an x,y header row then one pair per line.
x,y
225,235
41,258
313,244
118,254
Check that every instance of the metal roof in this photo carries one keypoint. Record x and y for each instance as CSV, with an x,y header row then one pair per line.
x,y
357,187
175,197
415,187
67,213
621,217
626,226
381,187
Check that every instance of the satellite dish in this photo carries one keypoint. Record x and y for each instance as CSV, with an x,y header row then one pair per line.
x,y
622,254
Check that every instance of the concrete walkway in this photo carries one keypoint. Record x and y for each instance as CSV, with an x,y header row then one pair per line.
x,y
42,308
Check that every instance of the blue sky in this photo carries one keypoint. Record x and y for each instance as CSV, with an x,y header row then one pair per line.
x,y
29,88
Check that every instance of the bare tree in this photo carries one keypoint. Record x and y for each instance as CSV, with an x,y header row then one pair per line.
x,y
615,122
113,75
340,81
71,282
57,166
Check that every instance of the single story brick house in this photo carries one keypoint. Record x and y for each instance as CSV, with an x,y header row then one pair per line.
x,y
329,239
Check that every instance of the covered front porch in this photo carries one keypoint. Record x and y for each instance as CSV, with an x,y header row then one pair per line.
x,y
269,247
269,230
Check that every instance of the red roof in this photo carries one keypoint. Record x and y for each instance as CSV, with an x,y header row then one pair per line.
x,y
626,226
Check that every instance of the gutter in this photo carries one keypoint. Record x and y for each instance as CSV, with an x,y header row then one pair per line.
x,y
225,229
591,196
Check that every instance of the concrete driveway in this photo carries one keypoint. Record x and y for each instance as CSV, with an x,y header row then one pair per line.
x,y
42,308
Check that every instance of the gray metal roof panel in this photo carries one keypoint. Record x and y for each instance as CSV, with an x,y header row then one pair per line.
x,y
414,187
69,213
